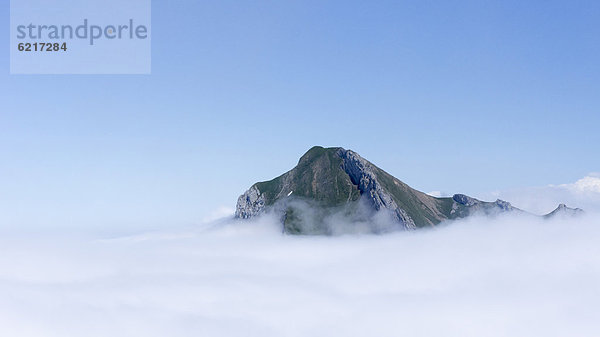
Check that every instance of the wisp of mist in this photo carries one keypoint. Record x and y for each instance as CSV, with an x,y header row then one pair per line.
x,y
505,276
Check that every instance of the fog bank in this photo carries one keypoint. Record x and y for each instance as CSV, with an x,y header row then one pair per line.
x,y
506,276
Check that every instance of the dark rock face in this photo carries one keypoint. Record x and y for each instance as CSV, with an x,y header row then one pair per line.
x,y
474,206
465,200
362,175
333,190
504,205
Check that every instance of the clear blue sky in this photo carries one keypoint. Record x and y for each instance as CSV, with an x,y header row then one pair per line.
x,y
458,96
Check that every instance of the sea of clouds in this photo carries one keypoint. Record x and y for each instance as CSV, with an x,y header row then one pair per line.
x,y
502,276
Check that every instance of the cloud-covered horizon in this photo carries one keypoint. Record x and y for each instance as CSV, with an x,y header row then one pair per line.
x,y
502,276
583,193
506,276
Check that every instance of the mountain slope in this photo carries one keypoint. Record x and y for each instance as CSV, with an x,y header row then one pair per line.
x,y
333,187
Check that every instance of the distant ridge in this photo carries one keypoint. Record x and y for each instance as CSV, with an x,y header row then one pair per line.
x,y
563,210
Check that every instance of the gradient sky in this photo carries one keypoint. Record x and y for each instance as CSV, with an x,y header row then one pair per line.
x,y
456,96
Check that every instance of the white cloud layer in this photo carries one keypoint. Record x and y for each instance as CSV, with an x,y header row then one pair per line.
x,y
437,194
589,184
502,277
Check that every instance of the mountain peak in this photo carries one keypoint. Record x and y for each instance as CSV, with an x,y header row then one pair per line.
x,y
563,210
333,189
316,152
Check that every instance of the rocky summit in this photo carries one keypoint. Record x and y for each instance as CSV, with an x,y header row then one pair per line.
x,y
334,190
